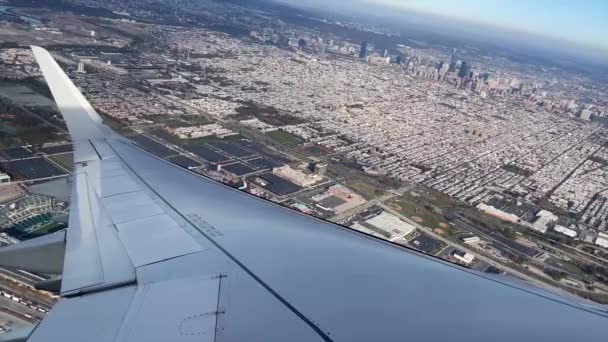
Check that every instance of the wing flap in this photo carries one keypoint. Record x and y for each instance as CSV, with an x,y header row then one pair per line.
x,y
95,256
96,317
82,264
180,310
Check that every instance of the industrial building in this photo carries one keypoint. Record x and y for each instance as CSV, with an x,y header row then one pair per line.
x,y
390,226
566,231
201,131
600,241
320,169
463,257
297,177
363,229
338,199
471,240
543,219
490,210
106,68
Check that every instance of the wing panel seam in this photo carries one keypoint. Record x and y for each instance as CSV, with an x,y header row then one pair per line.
x,y
277,296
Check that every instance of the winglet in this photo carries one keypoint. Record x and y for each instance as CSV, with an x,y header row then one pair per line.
x,y
82,120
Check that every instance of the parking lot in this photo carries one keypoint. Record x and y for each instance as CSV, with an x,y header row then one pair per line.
x,y
32,168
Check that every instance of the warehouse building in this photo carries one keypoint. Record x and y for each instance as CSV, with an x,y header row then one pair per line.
x,y
390,226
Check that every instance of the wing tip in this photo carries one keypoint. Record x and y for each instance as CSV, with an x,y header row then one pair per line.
x,y
81,118
37,49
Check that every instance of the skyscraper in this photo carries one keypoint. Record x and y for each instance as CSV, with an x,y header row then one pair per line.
x,y
465,70
363,52
452,67
444,69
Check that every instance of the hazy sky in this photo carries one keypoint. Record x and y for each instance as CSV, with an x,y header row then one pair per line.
x,y
582,21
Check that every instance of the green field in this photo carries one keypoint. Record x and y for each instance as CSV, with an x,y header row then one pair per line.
x,y
34,134
365,189
422,214
437,198
5,129
44,229
285,138
35,226
21,126
24,93
492,223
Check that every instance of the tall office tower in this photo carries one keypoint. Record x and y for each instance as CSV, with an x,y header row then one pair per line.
x,y
465,70
444,68
81,68
453,62
363,52
322,49
452,67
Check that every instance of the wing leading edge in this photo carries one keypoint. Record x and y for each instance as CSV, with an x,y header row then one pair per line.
x,y
179,257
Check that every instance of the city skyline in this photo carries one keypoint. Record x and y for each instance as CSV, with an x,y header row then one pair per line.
x,y
582,22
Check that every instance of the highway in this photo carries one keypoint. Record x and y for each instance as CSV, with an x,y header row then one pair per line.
x,y
528,258
22,277
19,310
11,321
572,252
481,257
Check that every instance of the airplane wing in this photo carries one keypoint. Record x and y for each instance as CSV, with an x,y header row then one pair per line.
x,y
155,252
